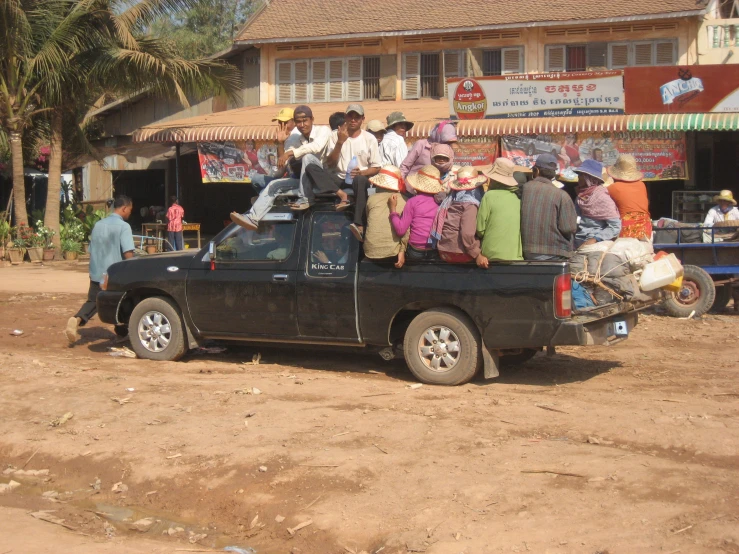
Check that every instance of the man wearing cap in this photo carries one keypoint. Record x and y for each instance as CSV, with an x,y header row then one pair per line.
x,y
499,215
304,150
376,129
285,129
548,217
393,149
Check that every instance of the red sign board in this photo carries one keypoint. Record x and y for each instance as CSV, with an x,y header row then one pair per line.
x,y
682,89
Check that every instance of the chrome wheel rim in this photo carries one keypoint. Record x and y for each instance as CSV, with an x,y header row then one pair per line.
x,y
439,348
155,331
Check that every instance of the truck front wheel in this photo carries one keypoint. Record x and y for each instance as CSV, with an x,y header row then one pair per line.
x,y
156,330
442,347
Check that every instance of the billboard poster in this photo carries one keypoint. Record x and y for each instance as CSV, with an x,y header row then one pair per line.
x,y
681,89
476,151
235,161
659,156
536,95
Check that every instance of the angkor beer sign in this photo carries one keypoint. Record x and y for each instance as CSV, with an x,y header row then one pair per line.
x,y
682,89
536,95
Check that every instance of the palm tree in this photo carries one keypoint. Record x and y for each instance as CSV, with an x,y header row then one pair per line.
x,y
37,37
65,54
125,59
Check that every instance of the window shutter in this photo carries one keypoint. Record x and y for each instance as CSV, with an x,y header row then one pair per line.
x,y
643,53
453,63
665,53
597,57
411,76
475,62
318,81
618,55
336,80
388,76
284,82
512,60
555,58
354,79
300,87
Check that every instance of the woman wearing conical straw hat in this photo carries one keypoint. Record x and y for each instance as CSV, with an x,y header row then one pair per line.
x,y
629,193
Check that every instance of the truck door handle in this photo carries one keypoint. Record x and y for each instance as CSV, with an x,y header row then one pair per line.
x,y
279,277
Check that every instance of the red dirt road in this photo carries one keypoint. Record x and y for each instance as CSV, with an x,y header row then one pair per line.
x,y
628,449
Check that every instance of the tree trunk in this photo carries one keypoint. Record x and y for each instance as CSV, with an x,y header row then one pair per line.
x,y
51,218
19,184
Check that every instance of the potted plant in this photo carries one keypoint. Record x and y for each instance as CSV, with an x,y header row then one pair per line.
x,y
21,240
46,235
71,249
36,243
72,229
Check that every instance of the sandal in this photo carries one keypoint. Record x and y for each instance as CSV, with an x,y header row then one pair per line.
x,y
357,231
243,221
343,205
299,206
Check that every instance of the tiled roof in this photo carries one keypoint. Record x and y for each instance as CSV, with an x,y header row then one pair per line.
x,y
296,19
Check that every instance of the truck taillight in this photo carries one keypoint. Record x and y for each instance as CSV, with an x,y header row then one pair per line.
x,y
562,296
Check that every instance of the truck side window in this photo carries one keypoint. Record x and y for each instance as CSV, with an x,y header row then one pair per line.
x,y
329,245
272,241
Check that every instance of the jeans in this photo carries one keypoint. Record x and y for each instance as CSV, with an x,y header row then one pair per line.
x,y
259,181
544,258
175,240
413,254
266,198
90,307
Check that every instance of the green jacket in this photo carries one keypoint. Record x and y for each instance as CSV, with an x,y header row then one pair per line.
x,y
499,224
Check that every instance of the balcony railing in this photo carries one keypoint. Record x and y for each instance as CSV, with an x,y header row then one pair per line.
x,y
723,33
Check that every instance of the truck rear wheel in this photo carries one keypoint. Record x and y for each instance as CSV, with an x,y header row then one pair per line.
x,y
156,330
723,296
442,347
696,295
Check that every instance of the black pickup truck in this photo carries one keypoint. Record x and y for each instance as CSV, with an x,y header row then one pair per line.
x,y
302,279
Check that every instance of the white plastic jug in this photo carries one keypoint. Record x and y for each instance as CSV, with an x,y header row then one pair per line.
x,y
660,273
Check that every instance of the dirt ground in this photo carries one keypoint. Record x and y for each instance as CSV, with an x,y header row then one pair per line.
x,y
627,449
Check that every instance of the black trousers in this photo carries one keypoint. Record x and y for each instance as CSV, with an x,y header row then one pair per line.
x,y
89,308
360,185
321,181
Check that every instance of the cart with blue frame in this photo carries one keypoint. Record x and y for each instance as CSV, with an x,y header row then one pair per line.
x,y
711,267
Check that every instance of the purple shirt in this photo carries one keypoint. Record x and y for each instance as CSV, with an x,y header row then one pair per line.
x,y
419,156
418,214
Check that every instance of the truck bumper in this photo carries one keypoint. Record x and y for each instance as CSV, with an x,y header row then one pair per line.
x,y
601,331
108,303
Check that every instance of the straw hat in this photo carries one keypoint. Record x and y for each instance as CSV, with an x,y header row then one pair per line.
x,y
388,178
625,169
591,167
607,179
467,178
502,172
725,195
375,126
428,180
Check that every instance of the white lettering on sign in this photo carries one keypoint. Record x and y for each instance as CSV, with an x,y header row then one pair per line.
x,y
327,267
670,91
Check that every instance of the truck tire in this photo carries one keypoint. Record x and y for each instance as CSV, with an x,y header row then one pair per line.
x,y
156,330
518,359
723,296
442,347
696,295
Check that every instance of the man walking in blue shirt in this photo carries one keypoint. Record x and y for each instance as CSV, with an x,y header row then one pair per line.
x,y
111,241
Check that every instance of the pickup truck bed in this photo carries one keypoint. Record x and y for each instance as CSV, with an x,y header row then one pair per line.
x,y
302,279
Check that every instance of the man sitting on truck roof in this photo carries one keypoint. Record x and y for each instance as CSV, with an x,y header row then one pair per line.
x,y
548,217
307,148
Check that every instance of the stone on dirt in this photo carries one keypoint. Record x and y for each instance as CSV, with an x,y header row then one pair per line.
x,y
7,487
119,487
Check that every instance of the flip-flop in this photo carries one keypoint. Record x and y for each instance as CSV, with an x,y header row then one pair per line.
x,y
354,228
300,206
341,206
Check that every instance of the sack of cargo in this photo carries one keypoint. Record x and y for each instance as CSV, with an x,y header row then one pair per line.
x,y
638,253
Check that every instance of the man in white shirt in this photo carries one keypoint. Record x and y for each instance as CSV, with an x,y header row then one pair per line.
x,y
393,149
306,149
347,142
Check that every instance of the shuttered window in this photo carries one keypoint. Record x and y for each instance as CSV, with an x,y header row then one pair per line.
x,y
320,80
614,55
411,76
512,60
